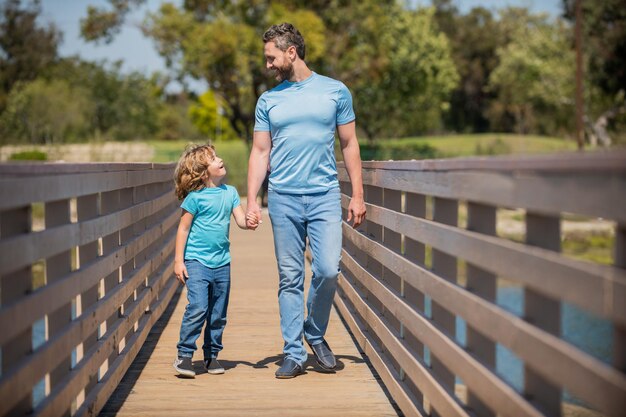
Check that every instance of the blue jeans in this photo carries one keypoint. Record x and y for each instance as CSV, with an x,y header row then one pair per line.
x,y
207,292
294,218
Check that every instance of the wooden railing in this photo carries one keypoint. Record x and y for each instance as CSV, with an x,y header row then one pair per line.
x,y
413,276
86,260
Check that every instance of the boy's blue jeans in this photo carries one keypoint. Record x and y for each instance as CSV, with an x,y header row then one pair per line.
x,y
294,218
207,292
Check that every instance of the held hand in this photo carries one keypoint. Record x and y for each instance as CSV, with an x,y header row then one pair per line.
x,y
252,222
253,215
181,272
356,211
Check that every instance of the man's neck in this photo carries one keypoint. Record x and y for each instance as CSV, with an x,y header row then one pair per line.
x,y
300,72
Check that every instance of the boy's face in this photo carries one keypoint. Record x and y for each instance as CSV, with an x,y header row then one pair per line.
x,y
216,168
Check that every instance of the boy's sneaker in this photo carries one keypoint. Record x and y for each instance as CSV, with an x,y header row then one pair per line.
x,y
213,366
184,367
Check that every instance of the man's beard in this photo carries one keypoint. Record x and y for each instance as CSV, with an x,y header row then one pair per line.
x,y
285,72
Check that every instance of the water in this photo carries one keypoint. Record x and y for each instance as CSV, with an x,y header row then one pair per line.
x,y
590,334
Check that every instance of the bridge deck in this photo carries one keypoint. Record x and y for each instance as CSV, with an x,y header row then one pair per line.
x,y
252,353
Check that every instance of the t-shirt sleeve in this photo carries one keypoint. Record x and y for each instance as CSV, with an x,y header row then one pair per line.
x,y
261,116
236,200
345,112
190,204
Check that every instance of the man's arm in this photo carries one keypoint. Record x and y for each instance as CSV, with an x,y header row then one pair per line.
x,y
257,169
352,158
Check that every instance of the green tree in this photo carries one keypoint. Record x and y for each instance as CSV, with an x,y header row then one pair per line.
x,y
474,38
604,48
534,80
126,106
409,86
393,59
26,49
48,112
207,116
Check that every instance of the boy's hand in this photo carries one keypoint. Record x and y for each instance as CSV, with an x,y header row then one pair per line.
x,y
252,220
180,271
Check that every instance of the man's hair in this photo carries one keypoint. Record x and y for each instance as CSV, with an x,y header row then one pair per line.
x,y
284,36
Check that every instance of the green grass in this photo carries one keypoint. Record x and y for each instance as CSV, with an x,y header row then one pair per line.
x,y
487,144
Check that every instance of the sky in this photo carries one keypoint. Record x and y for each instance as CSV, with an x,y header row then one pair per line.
x,y
138,52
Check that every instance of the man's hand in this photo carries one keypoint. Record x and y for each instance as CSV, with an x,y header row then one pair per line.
x,y
253,215
180,271
356,211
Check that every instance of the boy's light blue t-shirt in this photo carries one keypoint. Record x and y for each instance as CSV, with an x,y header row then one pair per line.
x,y
302,118
208,237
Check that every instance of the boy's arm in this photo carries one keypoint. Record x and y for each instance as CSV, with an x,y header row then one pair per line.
x,y
181,240
352,158
240,217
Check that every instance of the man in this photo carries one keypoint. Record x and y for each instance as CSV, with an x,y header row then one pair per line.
x,y
295,132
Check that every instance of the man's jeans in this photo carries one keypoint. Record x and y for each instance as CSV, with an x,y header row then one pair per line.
x,y
207,293
294,218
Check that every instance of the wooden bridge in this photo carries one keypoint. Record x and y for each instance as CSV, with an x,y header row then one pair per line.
x,y
90,310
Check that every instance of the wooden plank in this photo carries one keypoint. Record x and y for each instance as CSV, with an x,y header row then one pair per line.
x,y
252,353
595,194
558,361
99,396
16,192
575,162
81,375
8,169
492,391
14,317
439,397
392,380
591,287
25,249
25,374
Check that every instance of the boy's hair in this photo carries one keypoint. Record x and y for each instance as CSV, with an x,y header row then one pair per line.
x,y
192,169
284,36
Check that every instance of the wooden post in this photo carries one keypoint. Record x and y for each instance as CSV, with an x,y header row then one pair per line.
x,y
393,240
446,211
110,202
375,232
543,231
87,208
57,267
415,251
15,286
619,332
482,219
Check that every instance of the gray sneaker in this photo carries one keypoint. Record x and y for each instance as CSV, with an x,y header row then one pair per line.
x,y
213,366
184,367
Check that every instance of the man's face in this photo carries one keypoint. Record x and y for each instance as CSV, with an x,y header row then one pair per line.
x,y
278,62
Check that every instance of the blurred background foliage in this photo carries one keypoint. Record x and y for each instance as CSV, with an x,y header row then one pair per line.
x,y
416,73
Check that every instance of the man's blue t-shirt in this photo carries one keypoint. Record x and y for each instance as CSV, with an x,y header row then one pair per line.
x,y
301,118
208,236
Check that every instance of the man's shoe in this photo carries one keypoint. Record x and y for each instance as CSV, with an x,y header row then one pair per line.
x,y
184,367
324,356
213,366
290,369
